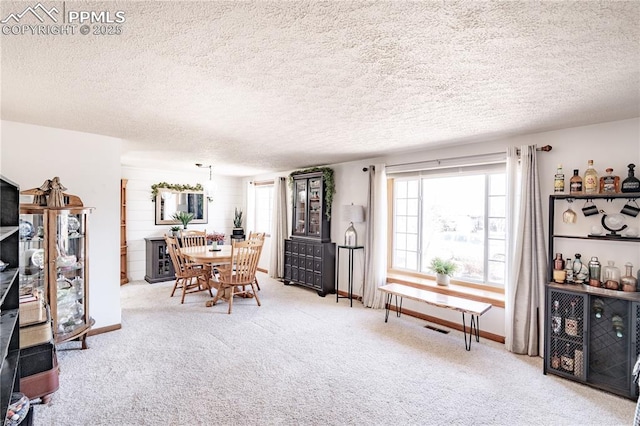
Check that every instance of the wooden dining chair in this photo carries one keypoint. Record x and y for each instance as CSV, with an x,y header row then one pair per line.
x,y
239,279
257,236
190,277
192,238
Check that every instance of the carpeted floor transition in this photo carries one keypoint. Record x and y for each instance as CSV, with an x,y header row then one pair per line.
x,y
302,359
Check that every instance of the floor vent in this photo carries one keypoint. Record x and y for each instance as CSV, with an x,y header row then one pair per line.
x,y
430,327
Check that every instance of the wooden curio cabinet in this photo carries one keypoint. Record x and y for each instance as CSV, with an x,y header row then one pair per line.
x,y
310,208
309,254
55,261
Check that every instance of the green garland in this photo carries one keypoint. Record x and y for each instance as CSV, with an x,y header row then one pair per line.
x,y
172,186
329,184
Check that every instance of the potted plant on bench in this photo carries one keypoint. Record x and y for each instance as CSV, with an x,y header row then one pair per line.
x,y
444,269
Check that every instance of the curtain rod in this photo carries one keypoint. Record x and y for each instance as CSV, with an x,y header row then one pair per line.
x,y
545,148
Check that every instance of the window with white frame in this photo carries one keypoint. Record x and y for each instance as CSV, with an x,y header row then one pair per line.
x,y
457,215
263,205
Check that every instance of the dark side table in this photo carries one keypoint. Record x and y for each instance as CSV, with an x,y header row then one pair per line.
x,y
351,250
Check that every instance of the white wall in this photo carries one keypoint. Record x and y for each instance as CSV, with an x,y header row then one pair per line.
x,y
613,144
88,166
229,193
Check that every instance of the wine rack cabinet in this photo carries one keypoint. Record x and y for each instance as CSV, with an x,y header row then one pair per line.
x,y
603,348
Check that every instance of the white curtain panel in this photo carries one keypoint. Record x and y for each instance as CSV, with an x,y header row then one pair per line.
x,y
376,246
279,230
527,267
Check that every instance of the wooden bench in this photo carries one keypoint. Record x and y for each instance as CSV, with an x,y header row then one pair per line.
x,y
475,309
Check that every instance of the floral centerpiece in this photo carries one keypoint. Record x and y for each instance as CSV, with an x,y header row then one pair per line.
x,y
216,237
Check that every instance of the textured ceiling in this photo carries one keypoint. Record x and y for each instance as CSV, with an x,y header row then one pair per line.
x,y
287,84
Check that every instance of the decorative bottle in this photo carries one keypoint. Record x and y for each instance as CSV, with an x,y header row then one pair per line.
x,y
569,271
575,183
590,181
571,322
558,181
580,271
595,270
628,281
618,325
578,362
609,184
555,358
598,308
559,273
631,183
611,276
566,360
556,318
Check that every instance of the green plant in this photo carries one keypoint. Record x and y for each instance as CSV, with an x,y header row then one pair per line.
x,y
441,266
175,228
172,186
237,218
183,217
329,184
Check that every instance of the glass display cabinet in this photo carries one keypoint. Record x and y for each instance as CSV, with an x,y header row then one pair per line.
x,y
310,254
309,208
54,261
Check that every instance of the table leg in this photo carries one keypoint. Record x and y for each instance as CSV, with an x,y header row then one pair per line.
x,y
351,277
337,273
474,330
388,307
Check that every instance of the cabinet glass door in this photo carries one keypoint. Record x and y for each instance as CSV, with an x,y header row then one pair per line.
x,y
32,255
300,208
315,206
70,273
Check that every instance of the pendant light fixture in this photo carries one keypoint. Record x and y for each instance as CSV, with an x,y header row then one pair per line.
x,y
207,185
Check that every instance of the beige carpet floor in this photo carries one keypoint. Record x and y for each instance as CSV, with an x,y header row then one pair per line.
x,y
303,360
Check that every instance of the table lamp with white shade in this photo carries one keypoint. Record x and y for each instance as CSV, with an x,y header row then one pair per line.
x,y
352,214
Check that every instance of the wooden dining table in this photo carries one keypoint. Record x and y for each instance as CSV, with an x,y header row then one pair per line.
x,y
204,254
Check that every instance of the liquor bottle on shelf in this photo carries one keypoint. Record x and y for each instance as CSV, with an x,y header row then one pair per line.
x,y
590,180
559,273
571,322
611,276
595,270
598,308
555,358
556,318
618,325
568,271
609,184
580,270
631,183
575,183
558,181
566,361
628,282
578,361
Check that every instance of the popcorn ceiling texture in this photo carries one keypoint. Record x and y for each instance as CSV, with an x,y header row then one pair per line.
x,y
281,85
